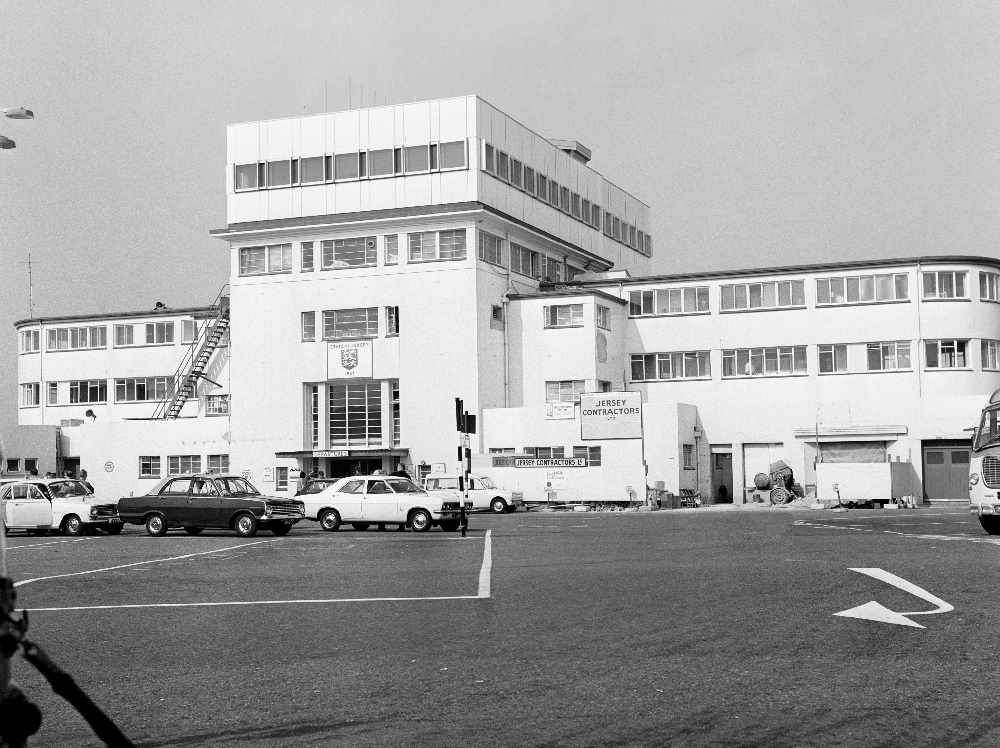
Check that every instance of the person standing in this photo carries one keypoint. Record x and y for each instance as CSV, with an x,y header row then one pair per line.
x,y
83,479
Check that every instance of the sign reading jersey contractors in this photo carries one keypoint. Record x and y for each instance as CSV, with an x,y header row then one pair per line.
x,y
611,415
349,359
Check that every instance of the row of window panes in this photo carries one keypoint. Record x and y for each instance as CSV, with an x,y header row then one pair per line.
x,y
150,466
127,390
674,365
350,323
563,315
765,295
355,413
862,289
591,454
373,164
660,301
508,169
523,261
92,337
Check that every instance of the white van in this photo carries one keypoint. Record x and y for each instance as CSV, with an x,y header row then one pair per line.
x,y
483,494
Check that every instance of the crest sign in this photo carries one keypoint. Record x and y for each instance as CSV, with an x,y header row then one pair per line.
x,y
349,360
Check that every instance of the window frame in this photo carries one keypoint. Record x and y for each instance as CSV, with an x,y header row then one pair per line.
x,y
371,317
958,278
836,354
769,358
654,364
889,350
552,312
954,347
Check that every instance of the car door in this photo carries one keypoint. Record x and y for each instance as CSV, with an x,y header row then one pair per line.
x,y
379,502
347,501
204,505
478,495
172,501
28,508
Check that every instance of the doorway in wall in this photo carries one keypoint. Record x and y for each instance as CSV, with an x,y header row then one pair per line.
x,y
71,465
757,458
946,470
722,473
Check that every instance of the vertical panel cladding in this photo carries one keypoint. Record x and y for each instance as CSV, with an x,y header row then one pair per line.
x,y
382,128
417,123
312,136
346,131
278,139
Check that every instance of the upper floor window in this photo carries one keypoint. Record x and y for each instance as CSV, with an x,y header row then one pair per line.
x,y
945,284
688,300
159,332
862,289
892,355
360,251
218,463
30,341
945,354
989,286
311,170
525,261
437,245
391,247
552,269
307,257
189,330
591,454
767,295
180,464
416,158
452,155
276,258
76,338
216,405
991,354
564,315
141,389
563,391
347,166
755,362
490,248
350,323
603,317
676,365
88,391
124,335
688,457
30,394
832,359
308,326
545,453
246,176
392,320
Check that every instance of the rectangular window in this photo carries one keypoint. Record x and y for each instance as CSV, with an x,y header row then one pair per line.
x,y
563,391
159,332
279,173
489,158
416,158
180,464
355,414
88,391
350,323
380,163
308,326
757,362
360,251
307,257
688,457
591,454
245,177
217,405
541,187
311,170
991,354
149,466
524,261
832,359
769,295
663,301
76,338
395,412
674,365
30,394
516,173
189,330
603,317
862,289
551,269
252,261
545,453
553,193
30,341
437,245
124,335
945,354
218,463
503,166
452,155
944,284
575,205
564,315
281,479
391,249
989,286
345,166
141,389
564,199
892,355
52,393
392,320
490,248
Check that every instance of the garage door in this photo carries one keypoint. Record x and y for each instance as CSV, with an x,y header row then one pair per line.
x,y
946,471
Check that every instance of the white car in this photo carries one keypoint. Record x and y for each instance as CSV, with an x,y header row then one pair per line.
x,y
363,500
63,504
483,494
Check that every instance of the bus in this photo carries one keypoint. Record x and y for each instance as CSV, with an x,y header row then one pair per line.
x,y
984,467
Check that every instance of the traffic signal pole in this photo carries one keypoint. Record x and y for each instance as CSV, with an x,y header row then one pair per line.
x,y
465,424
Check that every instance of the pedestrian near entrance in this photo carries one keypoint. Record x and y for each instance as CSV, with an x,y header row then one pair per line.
x,y
301,482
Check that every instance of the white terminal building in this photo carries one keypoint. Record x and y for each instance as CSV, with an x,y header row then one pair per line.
x,y
385,261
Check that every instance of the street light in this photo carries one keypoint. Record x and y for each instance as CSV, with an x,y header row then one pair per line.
x,y
14,112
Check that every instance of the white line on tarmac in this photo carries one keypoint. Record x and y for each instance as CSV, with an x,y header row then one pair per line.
x,y
141,563
486,570
54,542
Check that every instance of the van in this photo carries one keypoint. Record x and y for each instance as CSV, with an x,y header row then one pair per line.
x,y
485,496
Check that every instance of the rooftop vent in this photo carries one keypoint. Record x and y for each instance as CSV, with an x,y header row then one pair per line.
x,y
574,148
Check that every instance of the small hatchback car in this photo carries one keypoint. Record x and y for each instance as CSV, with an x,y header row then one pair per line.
x,y
197,501
64,504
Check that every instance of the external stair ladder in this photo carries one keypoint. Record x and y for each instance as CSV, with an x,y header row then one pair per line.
x,y
194,363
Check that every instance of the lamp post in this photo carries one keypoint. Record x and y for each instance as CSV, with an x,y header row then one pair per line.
x,y
15,112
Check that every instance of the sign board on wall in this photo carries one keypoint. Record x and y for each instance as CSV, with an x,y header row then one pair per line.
x,y
349,359
560,410
538,462
555,479
611,415
331,453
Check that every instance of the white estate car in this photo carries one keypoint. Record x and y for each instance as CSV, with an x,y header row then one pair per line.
x,y
363,500
64,504
482,492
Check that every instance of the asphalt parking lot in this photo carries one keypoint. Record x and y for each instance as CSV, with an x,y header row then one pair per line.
x,y
681,627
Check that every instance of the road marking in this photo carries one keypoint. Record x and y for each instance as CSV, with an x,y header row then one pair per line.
x,y
874,611
486,570
53,542
141,563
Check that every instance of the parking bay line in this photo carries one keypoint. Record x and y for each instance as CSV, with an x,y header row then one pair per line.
x,y
484,591
53,542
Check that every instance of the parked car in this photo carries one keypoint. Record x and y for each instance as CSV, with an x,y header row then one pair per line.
x,y
484,495
315,485
196,501
363,500
63,504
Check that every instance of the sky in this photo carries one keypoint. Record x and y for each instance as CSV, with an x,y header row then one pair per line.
x,y
761,133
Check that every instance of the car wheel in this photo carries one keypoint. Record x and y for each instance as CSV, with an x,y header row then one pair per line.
x,y
498,505
329,520
114,529
156,525
72,525
193,530
991,524
449,525
359,525
245,525
281,528
421,520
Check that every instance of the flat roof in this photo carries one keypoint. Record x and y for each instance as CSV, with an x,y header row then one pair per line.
x,y
194,311
558,291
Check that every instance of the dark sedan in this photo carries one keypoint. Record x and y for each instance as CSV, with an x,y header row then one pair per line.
x,y
199,501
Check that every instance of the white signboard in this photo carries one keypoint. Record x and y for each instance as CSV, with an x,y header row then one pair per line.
x,y
331,453
349,359
611,415
555,479
560,410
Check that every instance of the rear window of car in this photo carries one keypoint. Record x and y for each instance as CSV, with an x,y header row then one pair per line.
x,y
402,485
181,485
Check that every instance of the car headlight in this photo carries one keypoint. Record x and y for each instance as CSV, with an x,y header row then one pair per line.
x,y
973,479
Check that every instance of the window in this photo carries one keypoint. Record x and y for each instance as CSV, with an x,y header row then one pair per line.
x,y
218,463
489,159
311,170
564,315
142,389
392,320
595,216
149,466
279,173
76,338
13,465
989,286
308,326
564,391
529,180
437,245
30,394
893,355
945,354
391,244
380,163
306,251
991,354
281,479
88,391
490,248
564,199
350,323
189,330
516,171
245,176
545,453
661,301
124,335
452,155
832,359
575,205
553,193
862,289
688,456
30,341
355,414
345,166
276,258
591,454
551,269
756,362
524,261
503,166
769,295
314,411
356,252
674,365
159,333
603,317
542,187
944,284
416,158
216,405
52,393
395,412
178,464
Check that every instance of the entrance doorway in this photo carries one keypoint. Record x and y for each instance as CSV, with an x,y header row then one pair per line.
x,y
946,470
722,473
339,467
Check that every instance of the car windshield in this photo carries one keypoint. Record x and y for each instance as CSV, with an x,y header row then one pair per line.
x,y
988,433
68,488
403,485
236,487
485,482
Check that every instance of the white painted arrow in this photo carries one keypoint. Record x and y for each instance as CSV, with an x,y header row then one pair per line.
x,y
874,611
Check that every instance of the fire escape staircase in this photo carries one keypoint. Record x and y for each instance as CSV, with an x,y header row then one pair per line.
x,y
184,382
